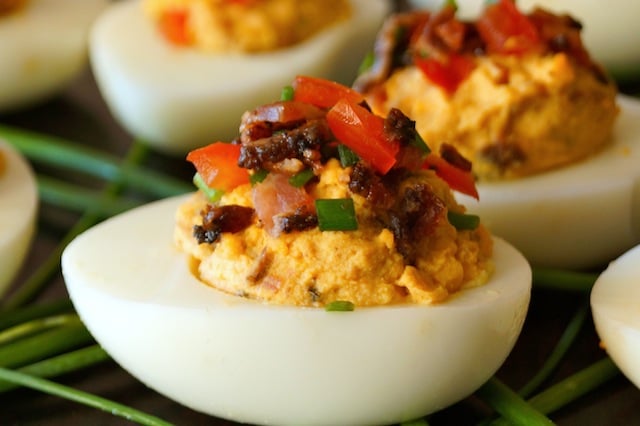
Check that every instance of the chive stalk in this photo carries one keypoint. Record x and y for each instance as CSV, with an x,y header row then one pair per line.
x,y
85,398
336,214
559,279
59,152
38,280
212,194
34,311
35,326
61,364
300,179
463,221
340,306
45,344
511,406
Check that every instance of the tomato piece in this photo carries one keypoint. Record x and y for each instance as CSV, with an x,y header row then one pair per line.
x,y
173,25
217,164
458,179
363,133
506,30
449,73
322,93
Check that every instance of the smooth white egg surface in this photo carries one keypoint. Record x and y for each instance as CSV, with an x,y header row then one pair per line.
x,y
43,46
178,98
580,216
251,362
615,304
18,208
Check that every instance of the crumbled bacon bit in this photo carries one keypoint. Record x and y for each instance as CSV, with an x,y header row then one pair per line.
x,y
219,219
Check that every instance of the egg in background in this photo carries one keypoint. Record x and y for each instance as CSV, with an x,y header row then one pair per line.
x,y
609,28
615,305
179,98
18,208
43,46
579,216
253,362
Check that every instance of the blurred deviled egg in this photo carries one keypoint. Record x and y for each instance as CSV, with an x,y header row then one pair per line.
x,y
615,298
43,46
178,73
18,206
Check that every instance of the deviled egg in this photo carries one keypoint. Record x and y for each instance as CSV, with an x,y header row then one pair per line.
x,y
615,298
272,364
18,207
43,46
178,97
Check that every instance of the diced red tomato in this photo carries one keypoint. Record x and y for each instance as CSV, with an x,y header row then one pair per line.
x,y
275,195
322,93
448,73
217,164
173,25
363,132
506,30
458,179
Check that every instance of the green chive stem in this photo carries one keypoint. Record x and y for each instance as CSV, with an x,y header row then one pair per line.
x,y
61,364
81,397
35,311
513,408
59,152
570,389
38,280
80,199
562,347
36,326
45,344
558,279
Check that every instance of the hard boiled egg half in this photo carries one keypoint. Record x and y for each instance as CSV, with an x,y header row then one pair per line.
x,y
579,216
263,364
18,207
179,98
43,46
615,304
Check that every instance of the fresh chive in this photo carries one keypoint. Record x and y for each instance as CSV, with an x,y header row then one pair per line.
x,y
258,176
339,306
419,143
558,279
37,281
76,198
58,152
35,311
212,194
300,179
45,344
347,156
61,364
367,62
287,93
416,422
564,343
511,406
36,326
81,397
463,221
337,214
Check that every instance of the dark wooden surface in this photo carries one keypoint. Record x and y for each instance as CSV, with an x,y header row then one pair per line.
x,y
79,114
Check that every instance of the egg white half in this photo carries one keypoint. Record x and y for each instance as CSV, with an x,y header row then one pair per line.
x,y
42,48
18,208
576,217
178,98
258,363
615,304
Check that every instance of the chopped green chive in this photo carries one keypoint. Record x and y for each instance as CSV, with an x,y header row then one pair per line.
x,y
462,221
212,194
337,214
339,306
287,93
367,62
347,157
258,176
419,143
300,179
